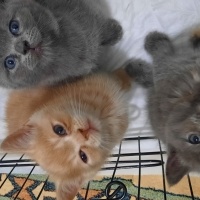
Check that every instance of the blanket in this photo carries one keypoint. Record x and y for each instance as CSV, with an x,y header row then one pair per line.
x,y
151,188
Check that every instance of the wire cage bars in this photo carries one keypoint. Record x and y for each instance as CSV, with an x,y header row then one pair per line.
x,y
124,160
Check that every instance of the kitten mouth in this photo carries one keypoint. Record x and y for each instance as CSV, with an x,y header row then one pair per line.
x,y
37,50
88,129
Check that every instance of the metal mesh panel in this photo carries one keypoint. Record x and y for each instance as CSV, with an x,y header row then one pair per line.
x,y
131,161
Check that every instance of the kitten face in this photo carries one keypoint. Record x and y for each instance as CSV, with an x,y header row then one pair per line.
x,y
70,148
77,139
44,43
181,105
66,145
174,100
69,130
69,145
39,49
26,41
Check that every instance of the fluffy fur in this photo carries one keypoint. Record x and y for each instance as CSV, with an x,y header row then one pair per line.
x,y
174,100
90,116
44,42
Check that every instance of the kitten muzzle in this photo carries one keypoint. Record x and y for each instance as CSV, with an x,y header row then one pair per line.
x,y
37,50
88,129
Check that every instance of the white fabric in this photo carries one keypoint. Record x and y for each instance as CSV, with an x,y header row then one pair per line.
x,y
138,18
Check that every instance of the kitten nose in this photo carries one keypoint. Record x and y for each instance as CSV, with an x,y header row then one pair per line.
x,y
87,130
22,47
84,132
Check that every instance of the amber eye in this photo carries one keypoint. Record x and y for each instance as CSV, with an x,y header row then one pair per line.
x,y
59,130
83,156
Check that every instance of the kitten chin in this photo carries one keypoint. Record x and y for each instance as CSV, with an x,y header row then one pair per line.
x,y
70,129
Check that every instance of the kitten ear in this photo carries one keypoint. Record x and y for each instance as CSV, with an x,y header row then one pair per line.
x,y
65,190
175,170
19,141
157,44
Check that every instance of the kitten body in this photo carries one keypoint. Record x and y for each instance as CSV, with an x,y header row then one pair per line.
x,y
69,130
173,100
45,42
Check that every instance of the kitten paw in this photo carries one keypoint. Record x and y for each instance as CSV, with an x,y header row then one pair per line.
x,y
156,42
141,71
112,32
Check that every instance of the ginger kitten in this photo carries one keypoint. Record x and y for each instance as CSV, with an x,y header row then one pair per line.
x,y
69,130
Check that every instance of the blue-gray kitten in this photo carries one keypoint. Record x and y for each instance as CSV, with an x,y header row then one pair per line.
x,y
174,100
43,42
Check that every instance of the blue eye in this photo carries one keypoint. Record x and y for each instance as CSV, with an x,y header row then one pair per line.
x,y
194,139
59,130
10,62
14,27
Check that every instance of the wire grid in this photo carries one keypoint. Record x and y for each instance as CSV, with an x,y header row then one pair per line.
x,y
118,161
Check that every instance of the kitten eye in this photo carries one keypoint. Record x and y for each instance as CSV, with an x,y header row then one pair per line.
x,y
59,130
83,156
194,139
14,27
10,62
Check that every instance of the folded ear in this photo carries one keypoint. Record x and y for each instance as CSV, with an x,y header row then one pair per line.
x,y
175,170
19,141
67,191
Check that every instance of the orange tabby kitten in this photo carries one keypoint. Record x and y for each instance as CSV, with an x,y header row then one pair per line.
x,y
69,130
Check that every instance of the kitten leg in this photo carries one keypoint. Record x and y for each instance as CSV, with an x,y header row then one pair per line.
x,y
141,71
158,44
111,32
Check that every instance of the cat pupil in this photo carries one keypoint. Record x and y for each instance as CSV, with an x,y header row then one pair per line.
x,y
59,130
83,156
14,27
194,139
10,62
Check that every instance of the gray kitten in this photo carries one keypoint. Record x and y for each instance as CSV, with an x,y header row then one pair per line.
x,y
43,42
174,100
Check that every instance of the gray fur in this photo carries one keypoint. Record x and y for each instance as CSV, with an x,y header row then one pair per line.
x,y
174,102
72,33
141,71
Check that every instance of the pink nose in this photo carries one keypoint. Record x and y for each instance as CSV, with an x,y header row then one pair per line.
x,y
87,130
84,132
